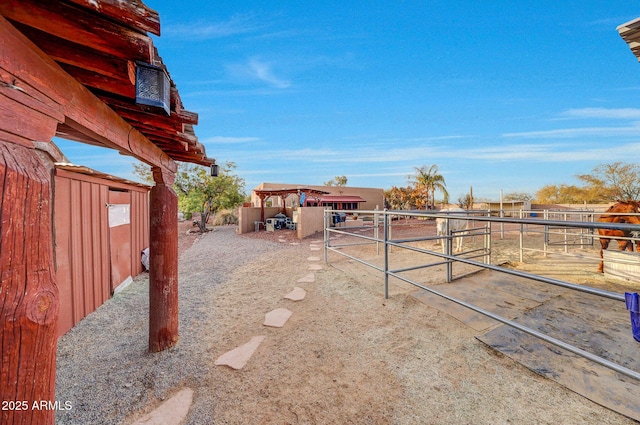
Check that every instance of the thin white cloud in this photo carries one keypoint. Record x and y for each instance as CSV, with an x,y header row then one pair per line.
x,y
606,113
577,132
551,153
256,70
512,152
632,115
235,25
262,71
228,140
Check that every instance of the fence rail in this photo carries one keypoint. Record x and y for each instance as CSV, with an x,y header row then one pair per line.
x,y
482,223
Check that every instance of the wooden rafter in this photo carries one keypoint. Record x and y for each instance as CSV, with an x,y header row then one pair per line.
x,y
630,32
78,25
132,13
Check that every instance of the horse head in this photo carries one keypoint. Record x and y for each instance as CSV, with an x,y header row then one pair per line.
x,y
625,207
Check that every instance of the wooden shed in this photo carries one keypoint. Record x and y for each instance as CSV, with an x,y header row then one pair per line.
x,y
101,226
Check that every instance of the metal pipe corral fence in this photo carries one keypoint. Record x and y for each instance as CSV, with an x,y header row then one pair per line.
x,y
485,219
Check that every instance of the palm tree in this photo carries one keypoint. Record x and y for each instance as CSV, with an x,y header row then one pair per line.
x,y
428,180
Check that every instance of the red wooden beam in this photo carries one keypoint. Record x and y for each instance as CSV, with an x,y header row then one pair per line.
x,y
116,86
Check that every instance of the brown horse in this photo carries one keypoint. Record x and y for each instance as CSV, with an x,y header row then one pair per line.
x,y
623,244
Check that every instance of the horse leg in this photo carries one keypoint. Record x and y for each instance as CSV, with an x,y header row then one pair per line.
x,y
624,245
604,244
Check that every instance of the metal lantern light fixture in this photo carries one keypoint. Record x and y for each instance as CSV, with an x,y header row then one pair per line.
x,y
214,170
152,86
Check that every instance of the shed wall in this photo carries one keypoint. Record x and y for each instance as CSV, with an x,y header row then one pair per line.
x,y
82,242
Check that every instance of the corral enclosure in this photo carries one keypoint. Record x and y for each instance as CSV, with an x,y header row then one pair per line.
x,y
592,329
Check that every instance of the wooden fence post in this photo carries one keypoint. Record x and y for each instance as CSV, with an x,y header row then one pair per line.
x,y
163,264
28,293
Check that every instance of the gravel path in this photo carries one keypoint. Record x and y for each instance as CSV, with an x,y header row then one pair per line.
x,y
104,368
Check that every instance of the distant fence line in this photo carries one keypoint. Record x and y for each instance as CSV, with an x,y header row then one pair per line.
x,y
564,235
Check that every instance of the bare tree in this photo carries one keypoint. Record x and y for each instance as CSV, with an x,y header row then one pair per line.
x,y
616,181
339,181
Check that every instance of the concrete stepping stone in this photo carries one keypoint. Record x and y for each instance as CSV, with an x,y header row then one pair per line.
x,y
315,267
297,294
238,357
171,412
315,248
309,278
277,318
313,258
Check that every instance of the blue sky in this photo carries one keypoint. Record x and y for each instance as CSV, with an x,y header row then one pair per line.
x,y
501,95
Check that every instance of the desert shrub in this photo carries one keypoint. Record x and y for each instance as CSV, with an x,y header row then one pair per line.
x,y
225,217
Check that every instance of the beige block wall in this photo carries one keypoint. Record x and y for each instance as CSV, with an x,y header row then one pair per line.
x,y
247,216
310,221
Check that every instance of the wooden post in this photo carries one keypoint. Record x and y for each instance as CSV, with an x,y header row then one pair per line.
x,y
163,263
28,292
263,198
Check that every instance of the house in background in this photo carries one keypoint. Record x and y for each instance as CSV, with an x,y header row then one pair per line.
x,y
334,197
304,205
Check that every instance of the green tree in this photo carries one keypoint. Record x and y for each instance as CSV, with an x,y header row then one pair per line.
x,y
339,181
427,180
199,192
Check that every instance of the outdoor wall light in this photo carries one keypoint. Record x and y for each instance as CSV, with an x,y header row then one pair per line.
x,y
152,86
214,170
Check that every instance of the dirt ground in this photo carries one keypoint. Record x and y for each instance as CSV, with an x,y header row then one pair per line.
x,y
348,356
